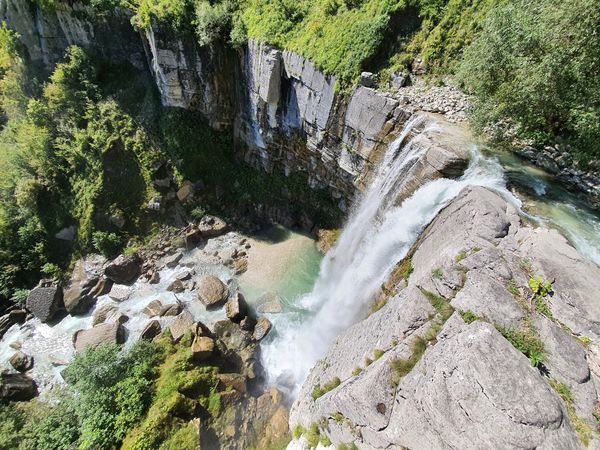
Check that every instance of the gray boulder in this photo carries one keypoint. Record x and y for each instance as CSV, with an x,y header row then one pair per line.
x,y
87,283
105,333
212,292
21,362
124,269
211,226
154,308
261,329
202,348
17,387
466,381
151,330
45,302
181,325
269,303
236,308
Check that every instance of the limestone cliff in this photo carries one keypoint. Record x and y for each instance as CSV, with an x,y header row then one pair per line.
x,y
286,114
435,368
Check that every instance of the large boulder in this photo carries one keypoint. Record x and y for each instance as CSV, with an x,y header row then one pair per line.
x,y
211,226
261,329
269,303
21,362
202,348
105,333
17,387
466,381
236,308
124,269
86,285
154,308
212,292
45,302
181,325
151,330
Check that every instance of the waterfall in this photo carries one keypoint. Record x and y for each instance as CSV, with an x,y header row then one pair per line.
x,y
378,235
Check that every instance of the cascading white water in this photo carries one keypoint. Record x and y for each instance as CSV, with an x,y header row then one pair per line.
x,y
377,236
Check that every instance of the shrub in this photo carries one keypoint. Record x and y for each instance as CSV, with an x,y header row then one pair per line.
x,y
114,391
198,213
527,342
522,69
402,367
213,21
20,296
106,243
583,429
468,316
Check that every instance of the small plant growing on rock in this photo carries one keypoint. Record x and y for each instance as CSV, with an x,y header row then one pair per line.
x,y
20,296
513,288
458,258
320,391
402,367
437,273
526,265
527,342
313,436
197,213
583,429
378,353
541,290
357,371
298,431
468,316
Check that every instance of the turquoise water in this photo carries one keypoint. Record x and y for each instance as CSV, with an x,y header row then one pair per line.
x,y
549,203
284,261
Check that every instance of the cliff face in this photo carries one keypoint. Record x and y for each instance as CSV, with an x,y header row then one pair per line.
x,y
435,368
286,114
47,33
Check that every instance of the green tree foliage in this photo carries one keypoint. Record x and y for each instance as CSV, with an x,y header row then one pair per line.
x,y
70,155
109,391
114,391
537,65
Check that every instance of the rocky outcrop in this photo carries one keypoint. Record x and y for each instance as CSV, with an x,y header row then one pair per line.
x,y
86,285
47,32
21,362
410,376
123,269
558,161
212,292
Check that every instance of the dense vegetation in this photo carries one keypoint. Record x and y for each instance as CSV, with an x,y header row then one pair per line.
x,y
108,392
142,398
71,155
537,65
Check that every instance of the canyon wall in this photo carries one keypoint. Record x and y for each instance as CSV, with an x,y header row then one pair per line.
x,y
285,114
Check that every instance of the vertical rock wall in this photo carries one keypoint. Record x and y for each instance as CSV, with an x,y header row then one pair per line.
x,y
46,34
285,113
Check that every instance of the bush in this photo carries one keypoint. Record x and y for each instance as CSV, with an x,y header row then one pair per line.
x,y
114,391
522,69
527,342
213,21
106,243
